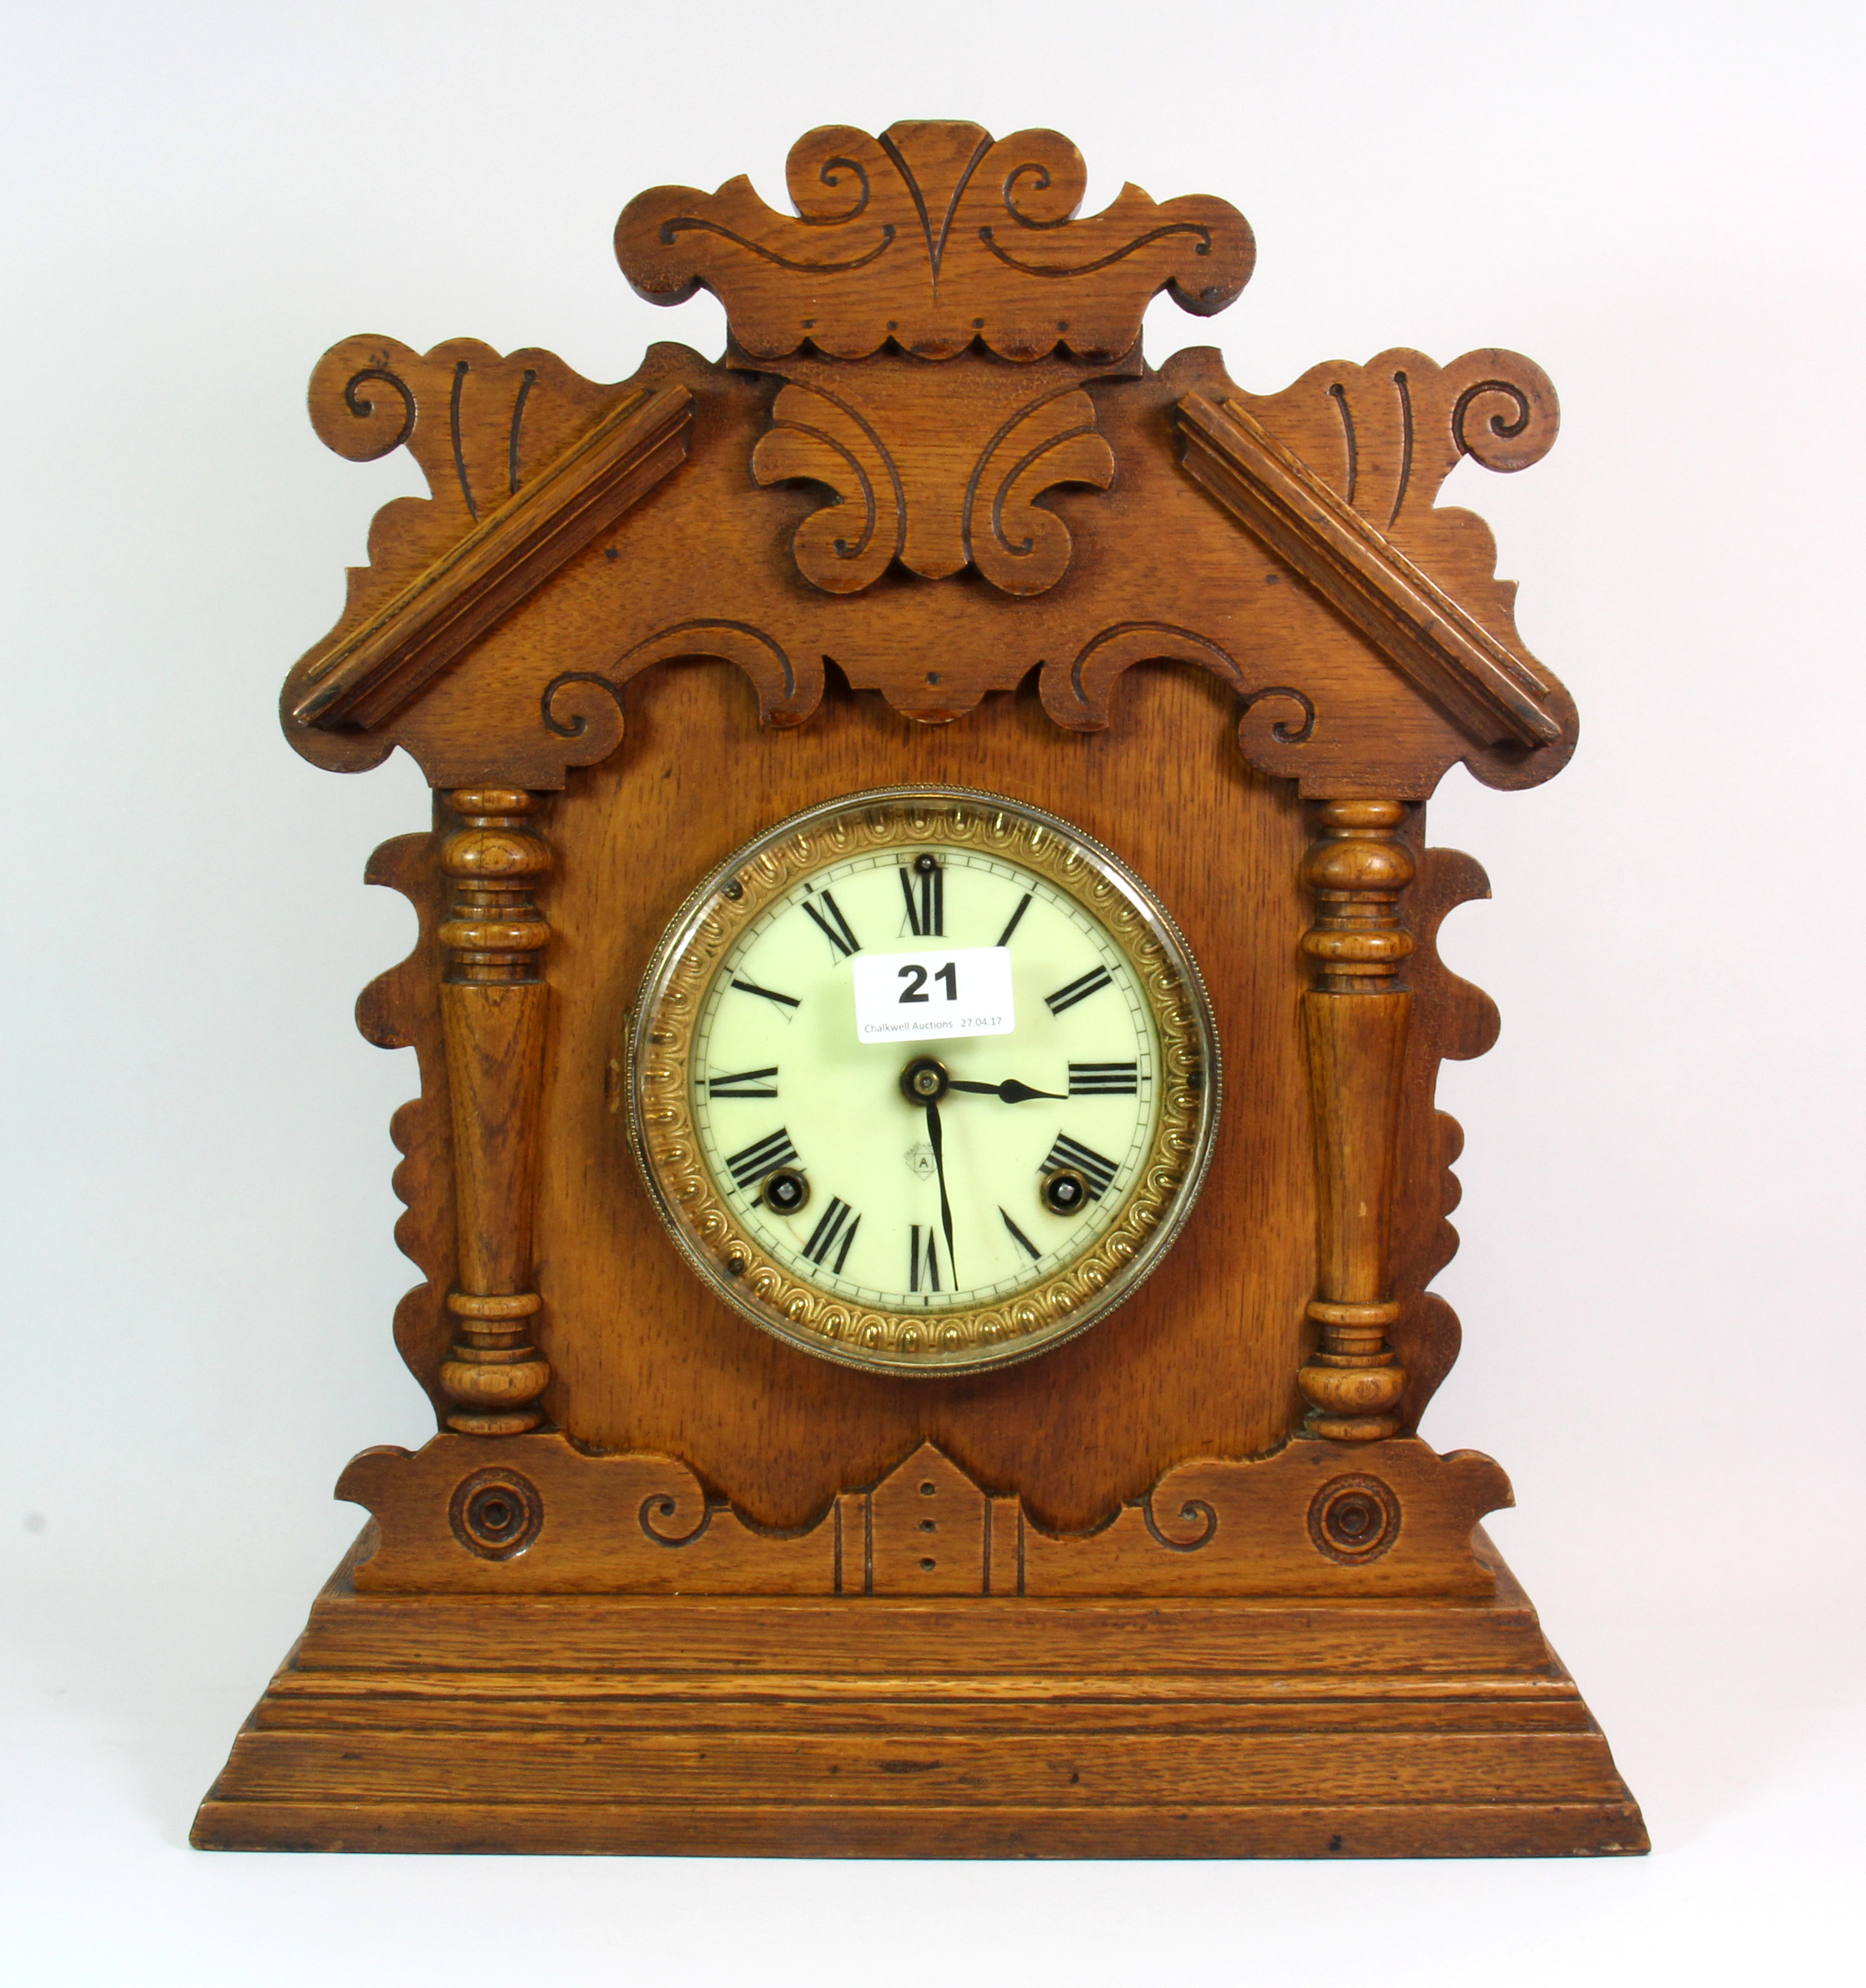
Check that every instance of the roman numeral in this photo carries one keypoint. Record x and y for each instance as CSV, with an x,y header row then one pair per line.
x,y
750,1083
923,887
923,1267
1018,1235
838,1225
1078,990
750,1165
1023,904
768,994
1104,1079
833,926
1093,1167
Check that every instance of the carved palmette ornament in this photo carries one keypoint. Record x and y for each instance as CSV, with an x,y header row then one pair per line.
x,y
938,467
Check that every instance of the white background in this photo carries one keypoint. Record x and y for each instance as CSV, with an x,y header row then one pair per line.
x,y
1661,1285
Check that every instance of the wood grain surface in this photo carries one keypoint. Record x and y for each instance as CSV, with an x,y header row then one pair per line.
x,y
706,563
931,518
932,237
1315,1518
1200,1361
738,1727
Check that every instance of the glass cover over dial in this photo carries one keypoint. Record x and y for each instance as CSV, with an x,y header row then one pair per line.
x,y
924,1081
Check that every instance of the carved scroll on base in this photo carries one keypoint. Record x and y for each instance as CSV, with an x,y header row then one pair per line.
x,y
533,1514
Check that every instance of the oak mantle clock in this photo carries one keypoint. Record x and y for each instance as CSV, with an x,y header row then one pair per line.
x,y
926,1175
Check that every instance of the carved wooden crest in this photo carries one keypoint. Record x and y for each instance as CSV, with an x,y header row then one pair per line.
x,y
932,238
935,380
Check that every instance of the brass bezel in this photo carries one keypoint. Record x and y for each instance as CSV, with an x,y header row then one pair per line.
x,y
980,1338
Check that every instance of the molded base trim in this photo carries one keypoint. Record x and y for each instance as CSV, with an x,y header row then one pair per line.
x,y
825,1726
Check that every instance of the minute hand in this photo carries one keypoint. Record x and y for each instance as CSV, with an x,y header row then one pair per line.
x,y
1011,1090
937,1139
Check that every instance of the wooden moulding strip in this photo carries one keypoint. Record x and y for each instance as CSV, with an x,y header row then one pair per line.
x,y
978,1769
1315,1828
411,1689
1489,692
679,1636
730,1720
377,669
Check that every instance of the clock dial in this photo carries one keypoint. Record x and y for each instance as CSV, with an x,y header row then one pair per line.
x,y
924,1081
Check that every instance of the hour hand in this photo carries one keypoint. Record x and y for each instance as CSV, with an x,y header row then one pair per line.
x,y
1011,1091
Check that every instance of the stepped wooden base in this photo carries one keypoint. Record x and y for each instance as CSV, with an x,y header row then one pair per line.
x,y
805,1726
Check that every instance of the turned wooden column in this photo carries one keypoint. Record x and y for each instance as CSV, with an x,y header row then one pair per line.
x,y
1354,1023
493,1005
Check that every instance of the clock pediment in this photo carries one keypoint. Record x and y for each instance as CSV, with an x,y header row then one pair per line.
x,y
875,489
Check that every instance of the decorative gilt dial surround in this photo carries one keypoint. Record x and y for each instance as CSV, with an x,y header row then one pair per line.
x,y
721,1244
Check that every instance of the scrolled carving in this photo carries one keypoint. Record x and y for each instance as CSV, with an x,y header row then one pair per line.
x,y
1354,1519
1077,693
826,179
1045,188
1284,731
478,569
480,424
380,433
1194,1511
581,705
1274,722
789,689
1508,416
816,435
664,1505
938,470
1288,1522
1022,549
951,238
1385,435
1481,682
496,1514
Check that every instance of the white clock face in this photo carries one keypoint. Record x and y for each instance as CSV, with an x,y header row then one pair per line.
x,y
999,1156
923,1081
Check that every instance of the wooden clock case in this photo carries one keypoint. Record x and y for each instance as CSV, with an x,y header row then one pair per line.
x,y
1188,1585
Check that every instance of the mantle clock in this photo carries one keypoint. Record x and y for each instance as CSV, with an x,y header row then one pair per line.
x,y
926,1174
